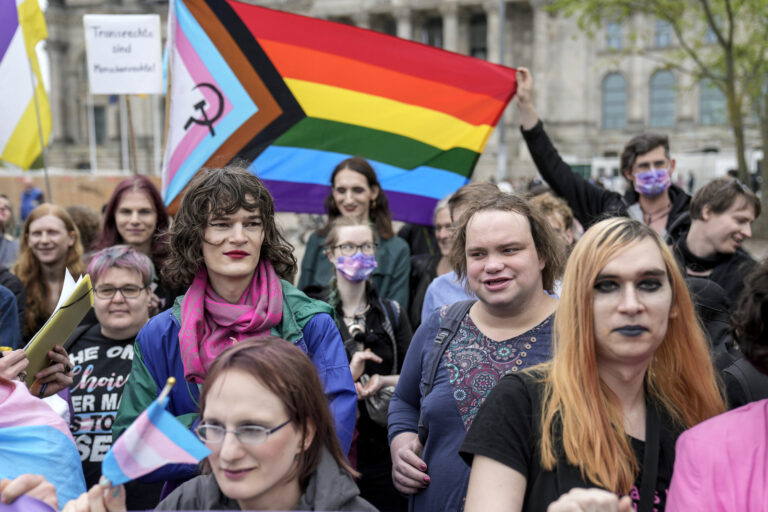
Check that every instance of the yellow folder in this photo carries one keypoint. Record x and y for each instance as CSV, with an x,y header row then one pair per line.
x,y
76,299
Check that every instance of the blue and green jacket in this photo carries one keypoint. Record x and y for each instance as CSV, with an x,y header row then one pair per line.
x,y
306,322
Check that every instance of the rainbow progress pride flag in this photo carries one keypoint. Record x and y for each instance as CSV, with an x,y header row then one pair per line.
x,y
154,439
292,96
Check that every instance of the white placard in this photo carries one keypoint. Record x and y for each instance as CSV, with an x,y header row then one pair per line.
x,y
123,53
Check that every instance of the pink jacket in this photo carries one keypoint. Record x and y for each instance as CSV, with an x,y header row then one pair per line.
x,y
722,463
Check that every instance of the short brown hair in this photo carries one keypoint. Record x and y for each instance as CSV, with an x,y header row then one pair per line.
x,y
719,194
548,244
287,372
471,193
223,192
640,145
549,204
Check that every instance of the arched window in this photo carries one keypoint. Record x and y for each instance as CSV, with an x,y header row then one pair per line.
x,y
614,102
662,99
712,107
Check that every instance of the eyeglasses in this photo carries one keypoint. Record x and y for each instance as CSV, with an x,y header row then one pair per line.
x,y
350,249
130,291
733,182
246,434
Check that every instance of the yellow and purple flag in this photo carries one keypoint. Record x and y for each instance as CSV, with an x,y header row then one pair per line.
x,y
22,119
293,96
153,440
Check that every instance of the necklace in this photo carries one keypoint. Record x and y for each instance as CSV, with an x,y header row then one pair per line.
x,y
661,213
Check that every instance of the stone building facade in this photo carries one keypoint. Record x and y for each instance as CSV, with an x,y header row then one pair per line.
x,y
592,97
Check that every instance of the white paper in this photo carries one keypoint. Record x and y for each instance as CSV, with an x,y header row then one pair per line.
x,y
123,53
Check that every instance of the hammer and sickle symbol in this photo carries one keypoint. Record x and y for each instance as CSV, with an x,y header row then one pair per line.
x,y
205,121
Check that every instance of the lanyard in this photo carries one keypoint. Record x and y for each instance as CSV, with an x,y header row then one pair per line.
x,y
650,458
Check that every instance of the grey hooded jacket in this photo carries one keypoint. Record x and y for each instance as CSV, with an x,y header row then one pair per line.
x,y
329,488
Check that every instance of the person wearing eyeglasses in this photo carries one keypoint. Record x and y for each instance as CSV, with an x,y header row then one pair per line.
x,y
722,212
645,163
376,334
101,353
271,436
357,194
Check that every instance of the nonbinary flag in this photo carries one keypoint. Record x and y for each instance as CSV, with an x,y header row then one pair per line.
x,y
22,26
153,440
292,96
34,439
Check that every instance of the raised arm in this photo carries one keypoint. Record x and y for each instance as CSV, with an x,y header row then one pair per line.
x,y
524,99
587,201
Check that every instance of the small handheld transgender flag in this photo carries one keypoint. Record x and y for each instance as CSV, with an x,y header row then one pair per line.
x,y
153,440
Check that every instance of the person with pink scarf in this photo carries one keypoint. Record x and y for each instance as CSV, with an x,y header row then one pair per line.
x,y
225,248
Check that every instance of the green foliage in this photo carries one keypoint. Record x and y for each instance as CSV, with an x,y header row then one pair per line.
x,y
722,41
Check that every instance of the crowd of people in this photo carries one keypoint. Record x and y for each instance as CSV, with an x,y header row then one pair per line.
x,y
564,348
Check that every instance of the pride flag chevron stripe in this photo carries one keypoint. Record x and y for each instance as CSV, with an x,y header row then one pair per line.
x,y
325,91
153,440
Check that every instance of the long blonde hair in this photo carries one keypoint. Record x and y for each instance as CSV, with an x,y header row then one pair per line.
x,y
30,273
680,377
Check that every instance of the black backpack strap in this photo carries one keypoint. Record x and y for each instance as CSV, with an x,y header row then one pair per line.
x,y
752,382
449,326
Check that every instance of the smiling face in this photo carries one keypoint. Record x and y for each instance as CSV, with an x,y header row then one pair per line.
x,y
444,230
49,240
726,231
232,247
503,267
352,194
136,220
120,317
258,476
5,213
632,304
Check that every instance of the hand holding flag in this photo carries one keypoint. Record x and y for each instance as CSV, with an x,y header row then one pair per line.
x,y
155,439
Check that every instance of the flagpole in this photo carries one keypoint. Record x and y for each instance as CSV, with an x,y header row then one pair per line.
x,y
131,137
166,390
49,196
501,153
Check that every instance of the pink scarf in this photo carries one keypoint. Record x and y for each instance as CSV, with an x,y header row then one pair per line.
x,y
210,324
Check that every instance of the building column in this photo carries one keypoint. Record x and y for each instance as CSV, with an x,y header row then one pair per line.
x,y
493,24
541,65
450,12
404,22
637,85
362,19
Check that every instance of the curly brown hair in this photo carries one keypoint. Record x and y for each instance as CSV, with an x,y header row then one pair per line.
x,y
30,273
222,191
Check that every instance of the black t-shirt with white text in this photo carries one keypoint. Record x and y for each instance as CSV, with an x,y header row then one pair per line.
x,y
101,368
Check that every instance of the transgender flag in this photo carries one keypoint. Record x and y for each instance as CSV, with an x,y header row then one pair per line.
x,y
34,439
155,439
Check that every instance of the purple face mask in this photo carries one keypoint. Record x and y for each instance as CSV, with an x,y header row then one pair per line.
x,y
653,182
357,267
